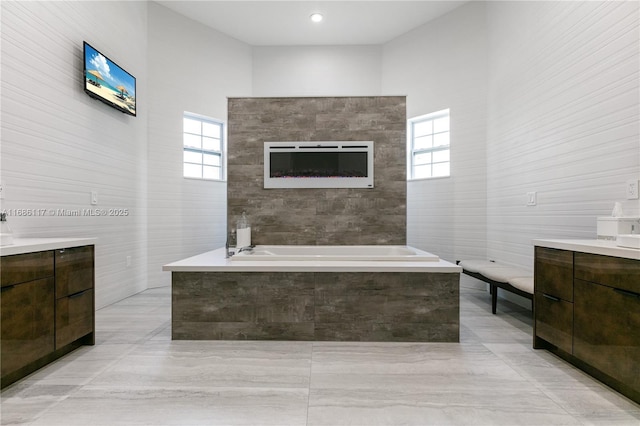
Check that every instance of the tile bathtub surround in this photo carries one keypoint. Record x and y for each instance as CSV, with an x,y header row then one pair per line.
x,y
318,216
136,375
345,306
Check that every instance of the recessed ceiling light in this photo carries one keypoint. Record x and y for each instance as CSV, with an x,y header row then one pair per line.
x,y
316,17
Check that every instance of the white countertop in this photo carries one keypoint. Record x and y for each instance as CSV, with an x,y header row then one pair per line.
x,y
30,245
602,247
215,261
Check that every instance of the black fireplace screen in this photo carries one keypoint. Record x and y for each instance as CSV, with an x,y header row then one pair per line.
x,y
318,164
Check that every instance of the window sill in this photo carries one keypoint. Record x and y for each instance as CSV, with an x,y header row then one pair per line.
x,y
205,180
429,178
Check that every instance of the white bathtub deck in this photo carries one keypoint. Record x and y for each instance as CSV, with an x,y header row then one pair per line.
x,y
215,261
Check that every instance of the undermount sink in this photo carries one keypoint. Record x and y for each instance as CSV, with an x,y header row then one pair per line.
x,y
628,240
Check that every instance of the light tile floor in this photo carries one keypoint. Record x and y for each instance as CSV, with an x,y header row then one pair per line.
x,y
135,375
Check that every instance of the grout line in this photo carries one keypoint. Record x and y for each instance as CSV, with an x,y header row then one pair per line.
x,y
313,345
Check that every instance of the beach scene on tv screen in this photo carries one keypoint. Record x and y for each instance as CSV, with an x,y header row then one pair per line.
x,y
109,81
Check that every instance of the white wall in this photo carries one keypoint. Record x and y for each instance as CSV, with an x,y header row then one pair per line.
x,y
58,144
563,120
443,64
191,68
316,71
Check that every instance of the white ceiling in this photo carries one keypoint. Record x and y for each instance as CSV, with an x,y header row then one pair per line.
x,y
287,23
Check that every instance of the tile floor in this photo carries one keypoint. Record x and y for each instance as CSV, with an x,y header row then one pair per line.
x,y
135,375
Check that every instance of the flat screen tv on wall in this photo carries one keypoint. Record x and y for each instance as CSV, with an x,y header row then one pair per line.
x,y
106,81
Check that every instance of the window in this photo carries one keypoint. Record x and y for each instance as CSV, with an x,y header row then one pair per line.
x,y
428,146
203,142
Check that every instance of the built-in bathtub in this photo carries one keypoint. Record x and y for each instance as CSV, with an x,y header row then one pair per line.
x,y
361,293
336,253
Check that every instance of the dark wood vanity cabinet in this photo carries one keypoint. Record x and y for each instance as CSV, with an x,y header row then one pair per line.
x,y
47,308
605,315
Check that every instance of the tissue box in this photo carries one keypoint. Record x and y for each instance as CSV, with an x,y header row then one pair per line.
x,y
610,227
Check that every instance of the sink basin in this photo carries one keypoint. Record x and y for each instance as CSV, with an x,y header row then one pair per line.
x,y
628,240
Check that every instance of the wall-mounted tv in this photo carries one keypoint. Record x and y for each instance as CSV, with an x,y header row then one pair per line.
x,y
106,81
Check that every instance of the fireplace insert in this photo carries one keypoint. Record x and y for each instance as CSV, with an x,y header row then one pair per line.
x,y
326,164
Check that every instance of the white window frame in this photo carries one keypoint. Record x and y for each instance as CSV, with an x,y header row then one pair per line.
x,y
442,149
203,151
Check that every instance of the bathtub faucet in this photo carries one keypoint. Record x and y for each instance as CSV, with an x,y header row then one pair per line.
x,y
247,248
227,251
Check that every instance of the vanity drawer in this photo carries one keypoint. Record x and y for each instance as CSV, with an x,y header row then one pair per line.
x,y
607,331
74,270
610,271
21,268
554,272
74,317
554,321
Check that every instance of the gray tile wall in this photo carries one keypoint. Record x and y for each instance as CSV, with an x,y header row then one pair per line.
x,y
367,306
318,216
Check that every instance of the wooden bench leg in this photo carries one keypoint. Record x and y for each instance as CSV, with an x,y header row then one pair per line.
x,y
494,298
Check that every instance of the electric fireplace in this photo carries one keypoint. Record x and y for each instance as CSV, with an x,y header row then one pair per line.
x,y
318,164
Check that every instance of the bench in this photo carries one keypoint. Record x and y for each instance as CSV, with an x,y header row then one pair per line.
x,y
514,280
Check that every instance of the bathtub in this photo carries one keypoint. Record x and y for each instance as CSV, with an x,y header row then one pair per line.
x,y
331,293
335,253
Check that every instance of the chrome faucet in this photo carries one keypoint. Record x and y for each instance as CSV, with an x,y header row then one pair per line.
x,y
226,247
231,243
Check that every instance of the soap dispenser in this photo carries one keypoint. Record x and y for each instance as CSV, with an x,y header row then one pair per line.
x,y
243,232
6,236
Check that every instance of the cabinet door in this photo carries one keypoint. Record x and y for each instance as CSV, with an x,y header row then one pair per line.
x,y
21,268
554,272
74,270
27,328
554,321
74,317
607,331
610,271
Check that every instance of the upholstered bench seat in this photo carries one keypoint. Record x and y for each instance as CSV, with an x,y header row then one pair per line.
x,y
475,265
523,283
514,280
503,273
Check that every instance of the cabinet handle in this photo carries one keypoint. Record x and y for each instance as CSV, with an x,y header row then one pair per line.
x,y
627,293
555,299
78,294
